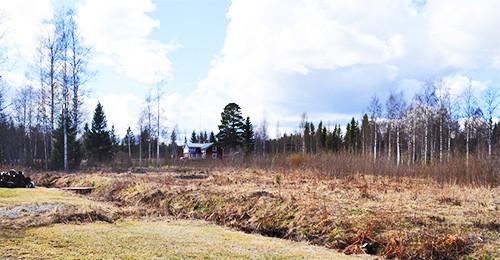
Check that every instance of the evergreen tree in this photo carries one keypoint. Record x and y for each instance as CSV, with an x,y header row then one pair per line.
x,y
323,137
319,134
231,128
194,138
248,136
173,137
98,141
352,136
115,141
307,137
129,137
212,138
365,134
74,149
129,141
337,138
312,143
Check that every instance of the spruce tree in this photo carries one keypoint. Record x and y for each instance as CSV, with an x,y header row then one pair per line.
x,y
74,149
212,138
98,141
248,137
115,141
194,137
231,128
129,141
307,137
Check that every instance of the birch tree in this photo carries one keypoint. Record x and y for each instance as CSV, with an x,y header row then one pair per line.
x,y
490,103
375,110
468,112
79,55
395,108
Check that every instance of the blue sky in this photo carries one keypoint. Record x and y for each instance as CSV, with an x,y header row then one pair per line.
x,y
276,58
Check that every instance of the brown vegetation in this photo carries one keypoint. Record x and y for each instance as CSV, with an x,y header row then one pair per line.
x,y
402,216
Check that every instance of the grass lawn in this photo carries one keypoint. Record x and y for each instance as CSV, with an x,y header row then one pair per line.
x,y
155,239
14,197
138,239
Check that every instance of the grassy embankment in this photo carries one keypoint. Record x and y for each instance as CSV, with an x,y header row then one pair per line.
x,y
406,217
27,237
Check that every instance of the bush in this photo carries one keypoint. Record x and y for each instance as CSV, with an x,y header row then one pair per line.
x,y
297,159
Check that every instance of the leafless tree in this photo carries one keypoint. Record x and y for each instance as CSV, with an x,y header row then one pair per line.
x,y
159,93
375,110
490,103
24,104
395,108
303,120
469,109
79,55
427,101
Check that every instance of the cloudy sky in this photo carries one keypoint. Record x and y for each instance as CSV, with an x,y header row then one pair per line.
x,y
276,58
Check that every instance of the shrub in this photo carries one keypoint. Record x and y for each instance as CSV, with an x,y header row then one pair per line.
x,y
297,159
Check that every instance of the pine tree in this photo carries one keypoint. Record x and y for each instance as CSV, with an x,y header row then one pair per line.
x,y
365,133
194,138
352,136
129,140
98,141
231,128
74,149
115,141
205,137
312,143
307,137
212,138
248,137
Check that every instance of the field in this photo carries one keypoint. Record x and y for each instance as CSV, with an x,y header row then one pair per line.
x,y
53,224
405,217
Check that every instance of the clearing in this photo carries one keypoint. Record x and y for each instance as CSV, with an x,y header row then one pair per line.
x,y
405,217
52,224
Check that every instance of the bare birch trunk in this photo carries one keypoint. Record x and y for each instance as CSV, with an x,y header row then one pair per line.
x,y
389,142
398,152
425,143
375,142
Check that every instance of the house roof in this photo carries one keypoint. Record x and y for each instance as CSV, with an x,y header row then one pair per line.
x,y
199,145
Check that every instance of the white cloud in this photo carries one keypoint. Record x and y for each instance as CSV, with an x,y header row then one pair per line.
x,y
117,110
119,31
462,33
325,57
458,84
21,21
284,57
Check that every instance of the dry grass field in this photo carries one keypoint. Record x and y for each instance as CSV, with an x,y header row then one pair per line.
x,y
386,216
51,224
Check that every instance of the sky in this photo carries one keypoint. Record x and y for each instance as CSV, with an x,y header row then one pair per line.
x,y
276,58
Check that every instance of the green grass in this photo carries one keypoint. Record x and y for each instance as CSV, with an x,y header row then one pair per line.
x,y
138,239
155,239
12,197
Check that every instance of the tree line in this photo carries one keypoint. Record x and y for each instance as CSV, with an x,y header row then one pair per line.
x,y
433,127
43,126
46,113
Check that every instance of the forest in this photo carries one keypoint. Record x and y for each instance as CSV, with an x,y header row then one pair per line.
x,y
43,125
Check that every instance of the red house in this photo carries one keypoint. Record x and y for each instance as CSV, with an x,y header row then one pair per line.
x,y
202,151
